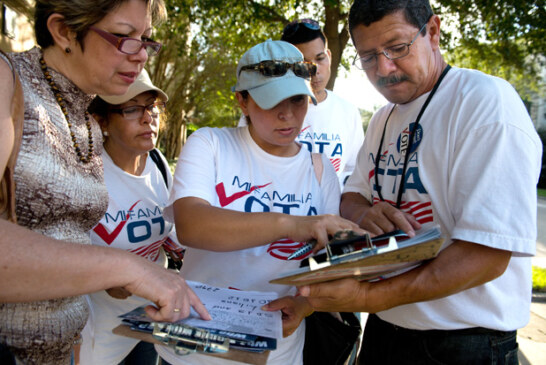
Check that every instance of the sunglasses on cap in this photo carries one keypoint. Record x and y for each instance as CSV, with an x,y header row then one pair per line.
x,y
279,68
292,27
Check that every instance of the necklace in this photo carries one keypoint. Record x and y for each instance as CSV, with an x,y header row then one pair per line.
x,y
410,142
61,102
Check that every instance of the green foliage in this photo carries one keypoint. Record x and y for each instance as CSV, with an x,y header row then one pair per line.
x,y
541,192
539,279
204,39
505,39
366,115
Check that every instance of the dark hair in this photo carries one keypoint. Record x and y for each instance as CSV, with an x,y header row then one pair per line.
x,y
245,94
79,15
366,12
303,35
99,107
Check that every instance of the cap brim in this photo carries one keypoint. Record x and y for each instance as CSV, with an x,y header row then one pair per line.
x,y
275,91
139,89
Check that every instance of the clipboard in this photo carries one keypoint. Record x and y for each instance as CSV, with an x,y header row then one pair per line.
x,y
370,261
254,358
239,329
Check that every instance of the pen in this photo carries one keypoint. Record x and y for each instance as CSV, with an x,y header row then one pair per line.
x,y
303,250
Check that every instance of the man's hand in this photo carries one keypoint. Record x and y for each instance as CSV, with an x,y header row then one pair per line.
x,y
377,219
294,310
383,218
346,295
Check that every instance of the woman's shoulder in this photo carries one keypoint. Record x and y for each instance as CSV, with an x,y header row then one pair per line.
x,y
215,134
26,63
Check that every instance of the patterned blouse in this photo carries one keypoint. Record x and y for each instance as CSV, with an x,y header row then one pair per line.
x,y
57,196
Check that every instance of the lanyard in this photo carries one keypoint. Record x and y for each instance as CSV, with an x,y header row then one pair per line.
x,y
410,142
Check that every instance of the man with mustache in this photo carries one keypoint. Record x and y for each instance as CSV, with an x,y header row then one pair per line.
x,y
450,148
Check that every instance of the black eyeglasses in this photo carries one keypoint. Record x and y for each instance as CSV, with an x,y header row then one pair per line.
x,y
392,53
136,112
291,28
128,45
279,68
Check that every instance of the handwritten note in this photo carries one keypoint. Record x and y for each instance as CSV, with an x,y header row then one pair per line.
x,y
236,311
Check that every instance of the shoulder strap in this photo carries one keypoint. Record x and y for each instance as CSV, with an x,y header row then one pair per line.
x,y
154,154
316,159
7,184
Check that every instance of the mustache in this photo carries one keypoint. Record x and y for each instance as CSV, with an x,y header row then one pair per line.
x,y
391,80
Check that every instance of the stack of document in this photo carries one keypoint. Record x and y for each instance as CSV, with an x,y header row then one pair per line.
x,y
237,323
365,258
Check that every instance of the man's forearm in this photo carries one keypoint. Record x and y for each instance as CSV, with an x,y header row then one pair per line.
x,y
461,266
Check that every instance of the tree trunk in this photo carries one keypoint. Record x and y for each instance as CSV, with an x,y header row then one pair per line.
x,y
175,135
337,40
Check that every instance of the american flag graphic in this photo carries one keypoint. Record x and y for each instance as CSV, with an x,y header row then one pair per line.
x,y
150,252
336,162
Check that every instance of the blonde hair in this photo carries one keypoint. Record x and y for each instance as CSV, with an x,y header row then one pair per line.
x,y
79,15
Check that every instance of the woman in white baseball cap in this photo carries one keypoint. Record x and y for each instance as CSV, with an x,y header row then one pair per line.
x,y
138,180
246,198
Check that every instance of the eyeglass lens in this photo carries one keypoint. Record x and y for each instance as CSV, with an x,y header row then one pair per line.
x,y
137,111
128,45
392,53
133,46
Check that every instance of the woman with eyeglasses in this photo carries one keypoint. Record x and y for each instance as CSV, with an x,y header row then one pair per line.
x,y
138,192
46,260
245,199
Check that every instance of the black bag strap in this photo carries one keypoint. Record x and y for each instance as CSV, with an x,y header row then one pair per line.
x,y
154,154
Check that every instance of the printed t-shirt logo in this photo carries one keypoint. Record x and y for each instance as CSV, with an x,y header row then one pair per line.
x,y
226,200
109,237
283,248
403,139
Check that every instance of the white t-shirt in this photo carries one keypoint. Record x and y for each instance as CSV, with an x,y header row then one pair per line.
x,y
228,169
473,170
333,127
133,222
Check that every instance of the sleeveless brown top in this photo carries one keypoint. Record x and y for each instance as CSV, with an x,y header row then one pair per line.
x,y
57,196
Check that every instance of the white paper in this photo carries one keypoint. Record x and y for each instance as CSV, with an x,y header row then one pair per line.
x,y
236,311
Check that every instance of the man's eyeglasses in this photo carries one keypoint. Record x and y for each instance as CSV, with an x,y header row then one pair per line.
x,y
128,45
392,53
291,28
137,111
279,68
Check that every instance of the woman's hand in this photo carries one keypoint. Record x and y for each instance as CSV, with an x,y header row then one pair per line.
x,y
168,290
320,228
294,310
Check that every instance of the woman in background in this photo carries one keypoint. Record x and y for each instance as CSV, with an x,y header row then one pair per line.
x,y
138,193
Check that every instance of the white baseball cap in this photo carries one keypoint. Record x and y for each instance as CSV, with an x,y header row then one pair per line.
x,y
268,91
141,85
